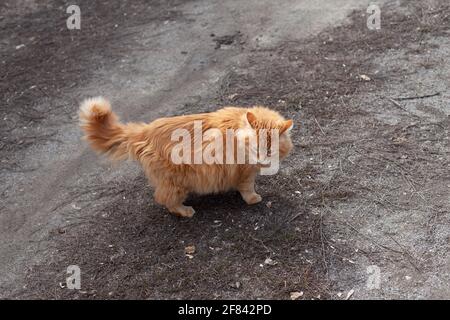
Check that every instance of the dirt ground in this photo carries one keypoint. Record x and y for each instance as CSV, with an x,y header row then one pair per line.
x,y
366,192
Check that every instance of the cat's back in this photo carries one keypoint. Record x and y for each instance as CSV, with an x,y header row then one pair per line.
x,y
225,118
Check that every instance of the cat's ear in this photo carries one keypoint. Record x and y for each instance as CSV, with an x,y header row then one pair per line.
x,y
251,118
287,125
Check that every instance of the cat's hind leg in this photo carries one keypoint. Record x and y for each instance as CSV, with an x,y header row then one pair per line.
x,y
172,198
247,191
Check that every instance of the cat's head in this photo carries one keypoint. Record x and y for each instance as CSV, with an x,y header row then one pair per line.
x,y
267,123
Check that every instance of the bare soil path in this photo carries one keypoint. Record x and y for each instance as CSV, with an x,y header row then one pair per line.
x,y
366,192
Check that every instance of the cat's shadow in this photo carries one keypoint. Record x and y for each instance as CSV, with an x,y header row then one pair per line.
x,y
220,204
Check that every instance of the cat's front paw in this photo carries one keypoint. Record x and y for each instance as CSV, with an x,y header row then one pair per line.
x,y
252,198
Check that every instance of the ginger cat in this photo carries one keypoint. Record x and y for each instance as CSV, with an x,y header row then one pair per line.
x,y
152,145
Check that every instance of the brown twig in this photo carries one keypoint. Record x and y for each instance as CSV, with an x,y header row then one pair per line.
x,y
317,122
398,105
418,97
262,243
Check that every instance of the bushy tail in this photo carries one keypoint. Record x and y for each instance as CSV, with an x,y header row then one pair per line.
x,y
102,128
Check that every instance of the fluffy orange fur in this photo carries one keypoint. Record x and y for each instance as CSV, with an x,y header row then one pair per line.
x,y
151,145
